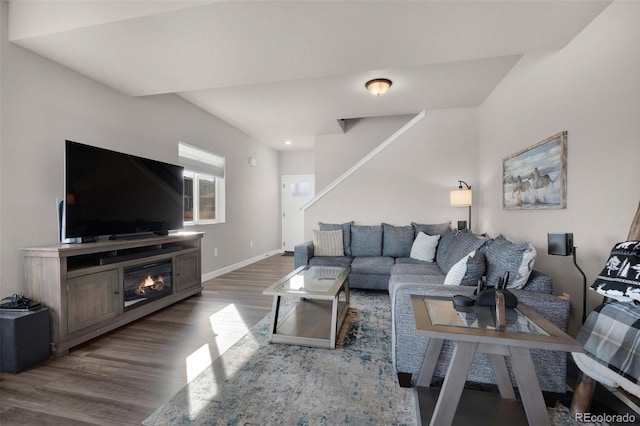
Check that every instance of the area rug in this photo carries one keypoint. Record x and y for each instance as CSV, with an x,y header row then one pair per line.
x,y
258,383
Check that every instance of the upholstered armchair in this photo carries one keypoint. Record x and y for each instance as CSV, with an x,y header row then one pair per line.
x,y
594,370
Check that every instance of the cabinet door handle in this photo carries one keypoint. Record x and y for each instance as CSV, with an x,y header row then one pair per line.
x,y
116,292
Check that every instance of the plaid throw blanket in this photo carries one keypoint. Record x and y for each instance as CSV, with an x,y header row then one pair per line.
x,y
611,336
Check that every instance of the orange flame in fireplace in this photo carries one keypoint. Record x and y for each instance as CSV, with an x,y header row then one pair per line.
x,y
150,283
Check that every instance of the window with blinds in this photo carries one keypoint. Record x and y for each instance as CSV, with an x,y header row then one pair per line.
x,y
203,185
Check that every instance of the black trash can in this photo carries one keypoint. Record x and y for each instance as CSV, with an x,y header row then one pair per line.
x,y
24,339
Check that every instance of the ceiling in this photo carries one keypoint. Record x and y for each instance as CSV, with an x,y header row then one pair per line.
x,y
291,70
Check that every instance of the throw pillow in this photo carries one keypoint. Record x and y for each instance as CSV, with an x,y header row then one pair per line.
x,y
424,247
457,271
463,243
476,267
366,240
328,243
443,247
620,278
503,255
396,240
346,233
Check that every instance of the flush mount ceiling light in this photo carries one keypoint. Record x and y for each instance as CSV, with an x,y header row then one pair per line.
x,y
378,86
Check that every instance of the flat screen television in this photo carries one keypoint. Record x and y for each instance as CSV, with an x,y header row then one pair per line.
x,y
109,193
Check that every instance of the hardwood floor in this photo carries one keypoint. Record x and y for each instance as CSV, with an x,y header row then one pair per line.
x,y
122,377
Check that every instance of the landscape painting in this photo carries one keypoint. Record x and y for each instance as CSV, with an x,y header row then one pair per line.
x,y
536,177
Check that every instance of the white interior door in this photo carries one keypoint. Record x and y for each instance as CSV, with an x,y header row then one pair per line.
x,y
297,190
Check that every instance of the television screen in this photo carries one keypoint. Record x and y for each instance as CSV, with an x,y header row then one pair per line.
x,y
111,193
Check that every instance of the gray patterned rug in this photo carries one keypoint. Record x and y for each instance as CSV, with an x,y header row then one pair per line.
x,y
258,383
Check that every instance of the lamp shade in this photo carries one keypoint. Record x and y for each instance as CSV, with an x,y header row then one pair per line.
x,y
460,198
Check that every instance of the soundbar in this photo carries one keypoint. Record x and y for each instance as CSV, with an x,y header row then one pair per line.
x,y
137,255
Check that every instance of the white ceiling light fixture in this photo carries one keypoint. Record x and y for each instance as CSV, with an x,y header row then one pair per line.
x,y
287,142
378,86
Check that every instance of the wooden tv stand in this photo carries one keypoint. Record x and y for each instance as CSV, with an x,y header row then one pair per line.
x,y
82,284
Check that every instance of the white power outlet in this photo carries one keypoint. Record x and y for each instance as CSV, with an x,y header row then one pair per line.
x,y
250,243
215,251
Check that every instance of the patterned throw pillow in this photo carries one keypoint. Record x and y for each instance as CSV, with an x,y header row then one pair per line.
x,y
457,271
346,233
620,278
328,243
467,271
503,255
476,267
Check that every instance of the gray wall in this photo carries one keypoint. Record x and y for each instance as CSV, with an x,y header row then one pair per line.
x,y
408,181
297,162
591,89
44,103
337,153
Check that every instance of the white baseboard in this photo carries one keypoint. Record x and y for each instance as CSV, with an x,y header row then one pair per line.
x,y
230,268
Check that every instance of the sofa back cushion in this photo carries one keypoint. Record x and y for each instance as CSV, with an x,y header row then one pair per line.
x,y
458,244
346,233
503,255
539,282
431,229
396,240
366,240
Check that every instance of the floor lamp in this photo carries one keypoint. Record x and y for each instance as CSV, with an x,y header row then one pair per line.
x,y
462,197
562,245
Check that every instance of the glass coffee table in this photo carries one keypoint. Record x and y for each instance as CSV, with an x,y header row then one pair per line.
x,y
473,329
323,293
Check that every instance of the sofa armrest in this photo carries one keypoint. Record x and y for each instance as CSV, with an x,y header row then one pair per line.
x,y
302,253
539,282
409,348
551,307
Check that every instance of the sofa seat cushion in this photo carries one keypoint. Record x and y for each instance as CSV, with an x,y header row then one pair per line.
x,y
408,260
379,265
343,261
414,282
425,268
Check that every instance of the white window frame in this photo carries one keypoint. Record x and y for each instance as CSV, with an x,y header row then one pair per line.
x,y
197,175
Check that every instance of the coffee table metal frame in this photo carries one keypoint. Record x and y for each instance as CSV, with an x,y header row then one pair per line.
x,y
499,344
317,318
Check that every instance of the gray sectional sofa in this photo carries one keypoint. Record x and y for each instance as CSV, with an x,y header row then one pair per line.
x,y
382,257
370,251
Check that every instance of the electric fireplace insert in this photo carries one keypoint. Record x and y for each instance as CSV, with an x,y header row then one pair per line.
x,y
145,283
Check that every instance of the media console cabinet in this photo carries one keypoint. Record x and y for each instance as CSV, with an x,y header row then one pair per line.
x,y
93,288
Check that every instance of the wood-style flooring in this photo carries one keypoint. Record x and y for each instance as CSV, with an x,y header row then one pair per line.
x,y
122,377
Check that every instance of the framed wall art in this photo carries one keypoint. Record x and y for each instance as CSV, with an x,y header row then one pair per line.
x,y
536,177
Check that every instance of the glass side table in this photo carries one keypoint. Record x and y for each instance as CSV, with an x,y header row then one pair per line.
x,y
474,330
